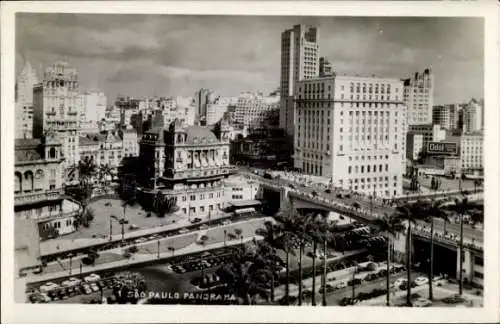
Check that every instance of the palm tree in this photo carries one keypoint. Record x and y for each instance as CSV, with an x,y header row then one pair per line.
x,y
391,226
271,260
462,205
245,275
317,229
434,210
272,239
409,213
287,238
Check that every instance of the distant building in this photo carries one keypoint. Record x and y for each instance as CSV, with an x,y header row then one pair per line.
x,y
24,102
110,149
446,116
299,61
38,186
471,152
93,110
130,142
201,100
473,116
418,97
255,111
57,107
325,67
414,146
269,146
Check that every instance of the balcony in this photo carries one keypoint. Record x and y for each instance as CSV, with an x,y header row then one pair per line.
x,y
37,196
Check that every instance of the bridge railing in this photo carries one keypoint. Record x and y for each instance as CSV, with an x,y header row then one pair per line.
x,y
438,237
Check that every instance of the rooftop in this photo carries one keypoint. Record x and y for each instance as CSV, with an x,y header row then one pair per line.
x,y
199,134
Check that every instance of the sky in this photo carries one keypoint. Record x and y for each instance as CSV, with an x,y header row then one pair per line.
x,y
168,55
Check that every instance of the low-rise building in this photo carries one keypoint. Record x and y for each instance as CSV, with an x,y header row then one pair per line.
x,y
238,188
38,186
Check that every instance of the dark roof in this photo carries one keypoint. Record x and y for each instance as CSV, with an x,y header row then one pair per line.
x,y
245,203
25,155
199,134
27,142
87,141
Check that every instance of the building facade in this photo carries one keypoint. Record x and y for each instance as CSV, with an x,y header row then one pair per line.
x,y
471,151
299,61
237,188
352,130
256,111
93,110
57,107
418,96
130,142
473,116
325,67
446,116
24,102
188,164
38,186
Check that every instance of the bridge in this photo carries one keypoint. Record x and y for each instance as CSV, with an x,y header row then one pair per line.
x,y
296,196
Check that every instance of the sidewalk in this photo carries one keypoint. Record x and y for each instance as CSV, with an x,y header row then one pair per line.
x,y
62,245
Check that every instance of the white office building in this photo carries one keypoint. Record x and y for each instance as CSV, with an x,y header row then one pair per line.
x,y
352,130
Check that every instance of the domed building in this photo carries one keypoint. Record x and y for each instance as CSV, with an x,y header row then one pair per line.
x,y
187,164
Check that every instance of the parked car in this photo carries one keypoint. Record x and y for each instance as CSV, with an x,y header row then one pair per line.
x,y
196,220
226,222
398,282
86,289
422,302
328,191
291,186
92,278
94,287
341,285
419,281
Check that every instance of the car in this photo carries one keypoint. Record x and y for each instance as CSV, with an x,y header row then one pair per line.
x,y
196,220
422,302
44,298
183,231
61,294
204,227
341,285
399,282
94,287
87,290
421,281
92,278
291,186
226,222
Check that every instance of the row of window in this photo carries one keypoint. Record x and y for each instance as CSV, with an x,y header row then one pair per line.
x,y
192,210
202,196
369,169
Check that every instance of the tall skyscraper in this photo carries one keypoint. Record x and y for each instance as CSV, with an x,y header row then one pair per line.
x,y
24,102
352,130
202,98
57,107
418,96
299,61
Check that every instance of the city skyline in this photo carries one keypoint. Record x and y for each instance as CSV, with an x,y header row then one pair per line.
x,y
147,55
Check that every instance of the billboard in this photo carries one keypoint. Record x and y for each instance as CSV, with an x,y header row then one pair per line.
x,y
439,148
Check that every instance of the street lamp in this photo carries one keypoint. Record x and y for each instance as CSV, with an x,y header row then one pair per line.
x,y
158,248
70,262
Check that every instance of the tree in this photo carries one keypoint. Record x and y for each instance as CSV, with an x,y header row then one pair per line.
x,y
434,210
317,228
409,213
245,275
462,206
391,226
286,240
